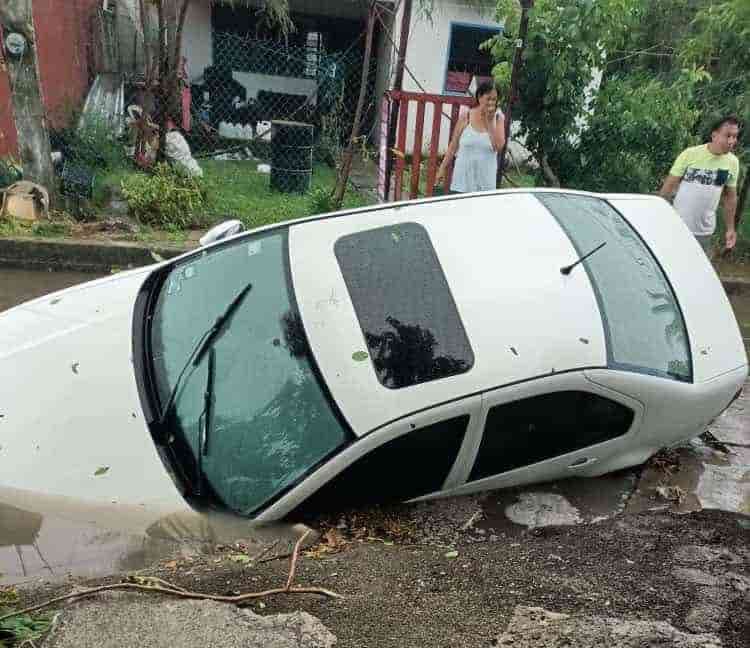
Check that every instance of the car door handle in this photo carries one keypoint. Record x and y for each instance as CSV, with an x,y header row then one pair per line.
x,y
580,463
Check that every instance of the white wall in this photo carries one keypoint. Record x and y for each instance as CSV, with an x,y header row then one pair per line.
x,y
427,56
196,39
292,85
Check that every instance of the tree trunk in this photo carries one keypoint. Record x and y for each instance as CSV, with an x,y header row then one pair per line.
x,y
513,92
742,200
346,164
398,83
26,95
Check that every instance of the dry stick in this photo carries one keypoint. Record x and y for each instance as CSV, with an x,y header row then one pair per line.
x,y
295,556
175,590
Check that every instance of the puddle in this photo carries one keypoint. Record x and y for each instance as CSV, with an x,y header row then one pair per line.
x,y
568,501
17,286
52,538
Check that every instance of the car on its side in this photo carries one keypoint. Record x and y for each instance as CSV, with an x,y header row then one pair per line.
x,y
402,351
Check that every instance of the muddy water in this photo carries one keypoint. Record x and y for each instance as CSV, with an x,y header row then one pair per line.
x,y
18,286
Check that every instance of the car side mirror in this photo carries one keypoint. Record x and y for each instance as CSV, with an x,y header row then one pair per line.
x,y
221,231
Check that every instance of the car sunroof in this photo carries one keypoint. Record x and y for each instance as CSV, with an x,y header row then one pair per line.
x,y
410,322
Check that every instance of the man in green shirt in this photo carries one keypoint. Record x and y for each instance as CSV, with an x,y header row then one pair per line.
x,y
701,177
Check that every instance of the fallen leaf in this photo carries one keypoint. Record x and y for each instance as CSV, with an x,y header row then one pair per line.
x,y
360,356
242,559
452,554
172,564
101,471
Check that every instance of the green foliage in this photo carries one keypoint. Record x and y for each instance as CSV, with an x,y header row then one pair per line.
x,y
93,145
719,39
166,198
567,43
637,127
321,201
17,630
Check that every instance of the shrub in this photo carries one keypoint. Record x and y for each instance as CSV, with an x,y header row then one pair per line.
x,y
166,198
93,145
321,201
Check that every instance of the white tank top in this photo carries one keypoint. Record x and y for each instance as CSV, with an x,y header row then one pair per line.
x,y
475,168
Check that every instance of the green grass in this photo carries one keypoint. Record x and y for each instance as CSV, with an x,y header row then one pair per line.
x,y
237,190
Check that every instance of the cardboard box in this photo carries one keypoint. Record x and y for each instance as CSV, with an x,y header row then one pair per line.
x,y
20,207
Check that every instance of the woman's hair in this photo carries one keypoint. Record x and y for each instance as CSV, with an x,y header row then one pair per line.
x,y
485,88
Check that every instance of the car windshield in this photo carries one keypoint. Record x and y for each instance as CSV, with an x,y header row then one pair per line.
x,y
270,420
643,323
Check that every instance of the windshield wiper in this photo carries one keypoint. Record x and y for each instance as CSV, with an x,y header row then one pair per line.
x,y
567,269
205,343
204,420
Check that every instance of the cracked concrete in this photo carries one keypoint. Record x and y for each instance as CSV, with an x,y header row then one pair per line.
x,y
118,619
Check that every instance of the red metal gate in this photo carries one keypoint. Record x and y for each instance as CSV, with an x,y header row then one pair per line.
x,y
444,107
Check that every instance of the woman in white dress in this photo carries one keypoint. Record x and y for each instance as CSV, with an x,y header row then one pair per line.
x,y
478,138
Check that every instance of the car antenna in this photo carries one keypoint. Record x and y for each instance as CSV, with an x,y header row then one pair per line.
x,y
566,270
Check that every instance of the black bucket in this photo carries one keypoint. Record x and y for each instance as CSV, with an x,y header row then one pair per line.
x,y
291,156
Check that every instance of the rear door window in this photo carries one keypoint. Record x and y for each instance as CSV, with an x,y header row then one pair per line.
x,y
530,430
643,324
404,306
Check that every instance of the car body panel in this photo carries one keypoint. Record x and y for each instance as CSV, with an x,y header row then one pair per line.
x,y
72,422
495,250
715,338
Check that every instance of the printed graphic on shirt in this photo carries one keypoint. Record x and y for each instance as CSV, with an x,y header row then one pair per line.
x,y
712,177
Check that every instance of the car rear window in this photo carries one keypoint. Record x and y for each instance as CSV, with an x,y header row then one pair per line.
x,y
643,324
405,308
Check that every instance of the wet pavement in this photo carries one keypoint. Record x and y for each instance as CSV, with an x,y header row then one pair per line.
x,y
48,542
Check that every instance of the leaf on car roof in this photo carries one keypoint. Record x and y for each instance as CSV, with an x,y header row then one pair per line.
x,y
360,356
103,470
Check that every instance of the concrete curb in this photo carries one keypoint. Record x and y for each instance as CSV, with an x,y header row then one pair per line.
x,y
81,256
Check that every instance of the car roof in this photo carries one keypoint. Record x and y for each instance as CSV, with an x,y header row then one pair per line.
x,y
501,253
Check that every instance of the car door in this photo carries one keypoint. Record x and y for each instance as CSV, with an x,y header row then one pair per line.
x,y
417,456
549,428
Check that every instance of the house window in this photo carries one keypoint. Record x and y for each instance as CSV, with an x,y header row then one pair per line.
x,y
465,58
406,467
405,308
527,431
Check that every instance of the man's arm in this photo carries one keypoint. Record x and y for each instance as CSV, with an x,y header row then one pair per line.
x,y
670,186
729,201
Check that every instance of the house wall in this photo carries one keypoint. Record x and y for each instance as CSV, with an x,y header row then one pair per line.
x,y
196,39
64,43
427,56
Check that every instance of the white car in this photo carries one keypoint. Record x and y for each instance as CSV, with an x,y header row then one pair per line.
x,y
414,350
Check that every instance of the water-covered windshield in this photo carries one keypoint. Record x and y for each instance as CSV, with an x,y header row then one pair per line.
x,y
269,420
643,323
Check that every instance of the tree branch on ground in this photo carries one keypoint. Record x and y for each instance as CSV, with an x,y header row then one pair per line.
x,y
155,585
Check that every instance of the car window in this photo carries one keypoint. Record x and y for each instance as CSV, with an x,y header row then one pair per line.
x,y
271,420
411,465
530,430
643,323
404,306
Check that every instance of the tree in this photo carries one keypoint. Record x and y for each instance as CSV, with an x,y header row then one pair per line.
x,y
720,33
16,17
567,43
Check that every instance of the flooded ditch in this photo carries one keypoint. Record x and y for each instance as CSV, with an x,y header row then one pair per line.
x,y
44,540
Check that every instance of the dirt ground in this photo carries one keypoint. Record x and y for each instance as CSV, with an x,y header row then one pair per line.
x,y
453,584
